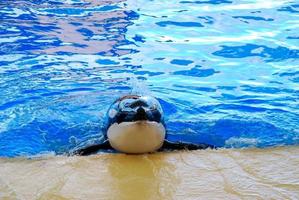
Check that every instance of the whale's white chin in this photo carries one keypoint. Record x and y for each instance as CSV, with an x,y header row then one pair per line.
x,y
136,137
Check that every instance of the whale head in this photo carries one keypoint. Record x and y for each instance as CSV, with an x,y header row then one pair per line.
x,y
135,124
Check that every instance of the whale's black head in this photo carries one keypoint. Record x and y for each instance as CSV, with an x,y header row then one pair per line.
x,y
135,124
133,108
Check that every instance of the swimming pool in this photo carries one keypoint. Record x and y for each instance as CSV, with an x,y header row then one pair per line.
x,y
226,72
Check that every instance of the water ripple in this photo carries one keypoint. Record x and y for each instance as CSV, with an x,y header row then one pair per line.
x,y
272,54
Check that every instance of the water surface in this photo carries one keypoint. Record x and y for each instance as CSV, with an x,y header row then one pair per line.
x,y
225,71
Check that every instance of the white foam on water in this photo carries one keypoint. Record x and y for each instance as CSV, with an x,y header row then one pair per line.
x,y
239,142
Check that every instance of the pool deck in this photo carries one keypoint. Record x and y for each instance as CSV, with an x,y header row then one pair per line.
x,y
211,174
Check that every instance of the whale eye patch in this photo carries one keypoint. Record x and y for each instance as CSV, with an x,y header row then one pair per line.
x,y
112,113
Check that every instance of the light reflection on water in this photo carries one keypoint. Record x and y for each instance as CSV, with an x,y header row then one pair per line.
x,y
224,71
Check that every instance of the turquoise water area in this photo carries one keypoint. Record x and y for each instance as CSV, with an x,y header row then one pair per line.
x,y
225,71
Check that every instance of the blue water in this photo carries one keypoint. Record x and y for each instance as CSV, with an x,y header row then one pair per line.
x,y
225,71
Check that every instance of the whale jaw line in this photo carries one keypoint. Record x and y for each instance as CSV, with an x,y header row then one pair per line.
x,y
136,137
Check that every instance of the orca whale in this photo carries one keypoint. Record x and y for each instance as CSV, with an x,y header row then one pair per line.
x,y
135,124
